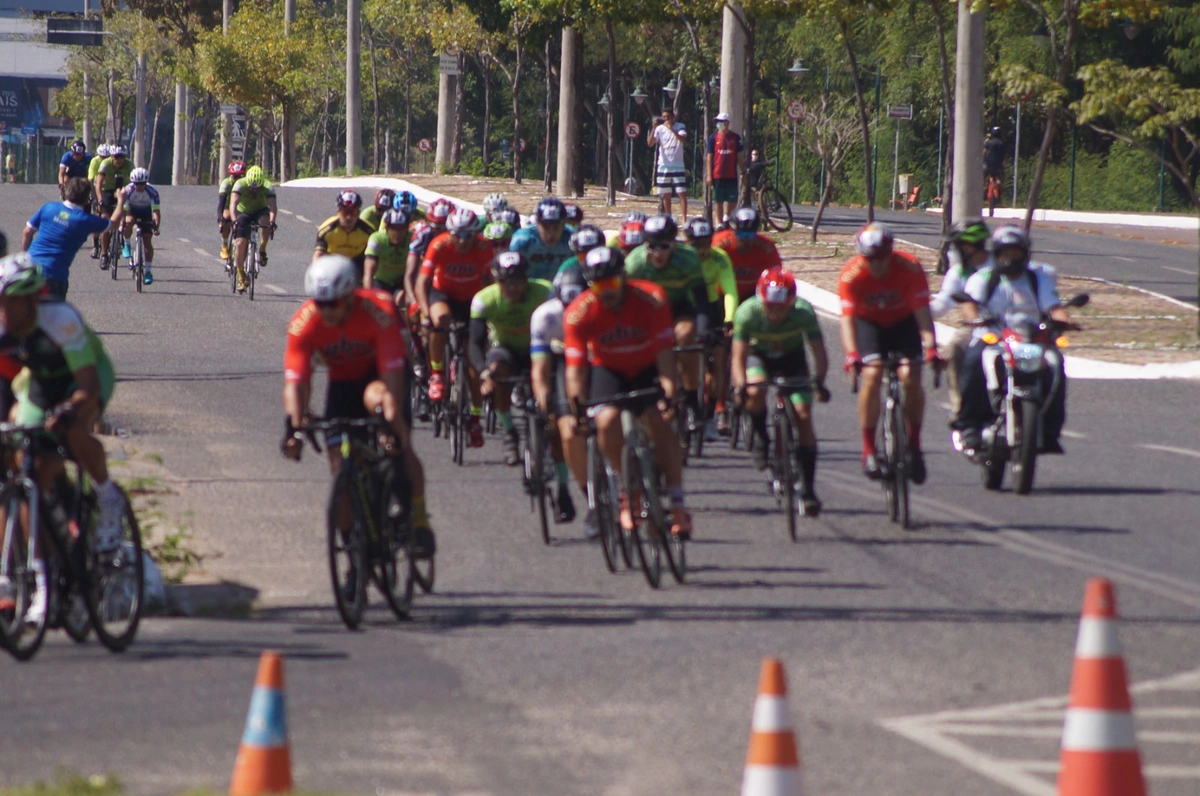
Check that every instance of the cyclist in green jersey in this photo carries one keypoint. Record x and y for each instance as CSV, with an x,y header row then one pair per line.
x,y
236,170
111,176
253,201
386,256
94,204
770,331
373,215
723,300
582,241
676,269
500,316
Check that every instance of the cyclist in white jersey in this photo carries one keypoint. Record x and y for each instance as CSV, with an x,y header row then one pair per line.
x,y
142,207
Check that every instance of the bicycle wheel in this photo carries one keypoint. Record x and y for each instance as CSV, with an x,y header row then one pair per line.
x,y
462,408
775,209
232,272
139,263
423,574
536,453
252,268
111,259
489,414
347,551
21,638
600,499
683,429
697,421
896,480
646,539
113,582
674,547
785,471
74,616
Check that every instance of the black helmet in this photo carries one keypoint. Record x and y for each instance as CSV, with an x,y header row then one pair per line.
x,y
509,266
660,229
697,229
574,213
550,209
969,230
586,238
603,262
510,216
1011,238
569,283
745,219
636,215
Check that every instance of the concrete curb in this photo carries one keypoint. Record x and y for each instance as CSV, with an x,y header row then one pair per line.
x,y
219,598
1190,223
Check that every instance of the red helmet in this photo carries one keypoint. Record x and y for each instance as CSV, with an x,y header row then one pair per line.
x,y
776,286
383,199
237,168
349,199
631,235
440,210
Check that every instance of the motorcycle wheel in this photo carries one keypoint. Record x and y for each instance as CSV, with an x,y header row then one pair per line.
x,y
1026,463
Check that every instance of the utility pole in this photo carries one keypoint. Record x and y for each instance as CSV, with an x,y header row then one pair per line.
x,y
87,93
733,69
139,114
568,114
178,163
353,86
226,118
968,114
287,152
447,88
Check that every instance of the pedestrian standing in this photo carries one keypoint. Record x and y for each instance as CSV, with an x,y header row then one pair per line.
x,y
54,234
669,176
723,161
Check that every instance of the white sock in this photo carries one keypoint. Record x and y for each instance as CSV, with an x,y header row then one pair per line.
x,y
39,573
107,491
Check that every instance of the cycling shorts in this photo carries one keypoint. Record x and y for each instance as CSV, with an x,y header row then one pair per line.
x,y
108,202
876,342
793,365
241,228
683,310
143,217
605,383
344,399
459,310
516,361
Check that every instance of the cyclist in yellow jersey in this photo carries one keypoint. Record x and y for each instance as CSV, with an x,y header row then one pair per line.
x,y
722,303
345,233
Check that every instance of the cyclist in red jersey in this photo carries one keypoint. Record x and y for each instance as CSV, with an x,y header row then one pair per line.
x,y
885,310
455,268
752,252
618,336
358,334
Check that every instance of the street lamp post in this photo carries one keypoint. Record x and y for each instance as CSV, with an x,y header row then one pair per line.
x,y
639,96
797,68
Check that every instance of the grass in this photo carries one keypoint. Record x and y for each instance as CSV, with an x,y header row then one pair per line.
x,y
72,784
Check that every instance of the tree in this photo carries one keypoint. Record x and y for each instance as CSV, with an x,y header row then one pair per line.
x,y
830,129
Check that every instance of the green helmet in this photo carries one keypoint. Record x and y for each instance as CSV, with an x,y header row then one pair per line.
x,y
20,276
497,231
969,230
254,177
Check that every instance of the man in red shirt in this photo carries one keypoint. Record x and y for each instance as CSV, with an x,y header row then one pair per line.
x,y
885,310
618,336
357,333
750,251
723,159
455,268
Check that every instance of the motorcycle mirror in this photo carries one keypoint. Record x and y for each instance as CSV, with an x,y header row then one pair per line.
x,y
1079,300
961,297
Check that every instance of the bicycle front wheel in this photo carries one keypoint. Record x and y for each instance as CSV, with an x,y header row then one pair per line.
x,y
114,581
786,472
20,637
647,539
139,264
775,209
896,478
536,471
600,496
252,268
347,550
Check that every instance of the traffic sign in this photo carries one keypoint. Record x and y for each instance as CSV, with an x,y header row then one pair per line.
x,y
82,32
521,145
795,110
900,111
448,64
238,128
633,130
424,145
229,107
29,129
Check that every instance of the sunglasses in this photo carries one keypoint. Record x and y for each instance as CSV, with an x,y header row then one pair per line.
x,y
327,304
659,247
608,285
462,237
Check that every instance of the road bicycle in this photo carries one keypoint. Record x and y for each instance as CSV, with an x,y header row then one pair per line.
x,y
781,460
773,206
253,265
690,420
137,259
371,486
86,588
538,468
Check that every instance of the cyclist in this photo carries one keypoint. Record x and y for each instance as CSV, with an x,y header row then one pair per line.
x,y
968,253
93,204
885,310
61,377
75,163
407,200
629,237
424,232
582,241
750,251
493,205
345,232
547,243
358,335
676,269
112,175
498,337
55,233
618,336
236,170
253,199
386,255
770,331
548,377
385,199
499,235
574,214
722,302
455,268
143,209
510,216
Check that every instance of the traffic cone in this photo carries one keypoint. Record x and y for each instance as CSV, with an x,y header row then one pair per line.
x,y
1099,748
773,763
264,763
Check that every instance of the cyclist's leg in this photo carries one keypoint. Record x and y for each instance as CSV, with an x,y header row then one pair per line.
x,y
377,394
264,230
567,445
905,339
461,312
146,229
604,383
502,362
689,364
870,347
241,240
439,317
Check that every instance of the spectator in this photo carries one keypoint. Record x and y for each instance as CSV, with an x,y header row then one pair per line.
x,y
669,175
55,233
723,162
10,167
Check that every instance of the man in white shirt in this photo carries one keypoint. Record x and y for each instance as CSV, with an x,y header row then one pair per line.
x,y
669,175
967,253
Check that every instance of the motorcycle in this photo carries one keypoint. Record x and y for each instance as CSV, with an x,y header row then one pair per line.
x,y
1033,375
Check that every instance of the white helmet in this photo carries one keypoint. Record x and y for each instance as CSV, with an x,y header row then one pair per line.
x,y
102,150
330,277
139,175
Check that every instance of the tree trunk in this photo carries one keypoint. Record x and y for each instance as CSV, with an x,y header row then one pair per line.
x,y
407,122
862,116
547,179
287,143
375,99
825,194
748,113
518,57
1060,75
460,93
485,73
610,193
154,135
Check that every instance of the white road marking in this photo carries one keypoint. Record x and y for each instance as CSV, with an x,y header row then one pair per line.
x,y
303,220
274,289
1074,434
202,252
286,212
184,240
1126,259
1173,449
1179,270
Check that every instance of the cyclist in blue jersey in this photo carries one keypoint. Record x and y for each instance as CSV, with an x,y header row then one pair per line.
x,y
73,164
546,244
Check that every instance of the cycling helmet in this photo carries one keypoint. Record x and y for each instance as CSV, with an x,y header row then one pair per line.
x,y
510,266
969,230
776,286
330,277
586,238
406,200
660,229
498,232
574,213
994,131
697,229
636,215
118,151
745,221
139,175
395,218
493,203
509,216
550,210
569,283
79,147
463,222
102,150
631,235
384,198
1011,238
20,276
874,240
254,177
237,168
603,262
440,211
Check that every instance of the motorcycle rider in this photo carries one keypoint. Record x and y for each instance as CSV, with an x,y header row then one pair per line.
x,y
1012,289
967,252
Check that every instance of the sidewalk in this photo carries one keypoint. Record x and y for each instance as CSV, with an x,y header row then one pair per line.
x,y
1155,220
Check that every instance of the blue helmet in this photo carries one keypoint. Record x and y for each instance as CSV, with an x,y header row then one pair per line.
x,y
405,200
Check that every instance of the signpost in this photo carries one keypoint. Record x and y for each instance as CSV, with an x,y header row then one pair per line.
x,y
521,145
237,141
633,130
424,145
900,112
80,32
897,112
795,110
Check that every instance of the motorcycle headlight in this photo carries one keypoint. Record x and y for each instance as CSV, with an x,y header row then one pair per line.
x,y
1027,356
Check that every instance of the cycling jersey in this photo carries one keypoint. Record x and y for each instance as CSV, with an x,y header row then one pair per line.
x,y
422,235
332,239
459,275
370,341
721,280
371,217
748,264
390,260
885,301
626,341
76,168
252,201
774,340
509,324
546,330
223,192
544,260
680,277
94,168
567,265
59,347
62,228
140,202
113,176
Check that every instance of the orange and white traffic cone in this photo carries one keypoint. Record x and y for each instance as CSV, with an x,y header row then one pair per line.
x,y
773,762
264,763
1099,747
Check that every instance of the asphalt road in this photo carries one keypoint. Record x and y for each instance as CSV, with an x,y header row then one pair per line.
x,y
1095,250
532,670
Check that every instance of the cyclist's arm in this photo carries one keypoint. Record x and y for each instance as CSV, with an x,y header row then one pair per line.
x,y
157,216
667,371
27,237
422,291
411,266
738,363
99,185
925,324
540,374
727,281
849,334
296,395
577,383
477,344
272,208
235,199
394,380
62,174
820,358
87,389
370,265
